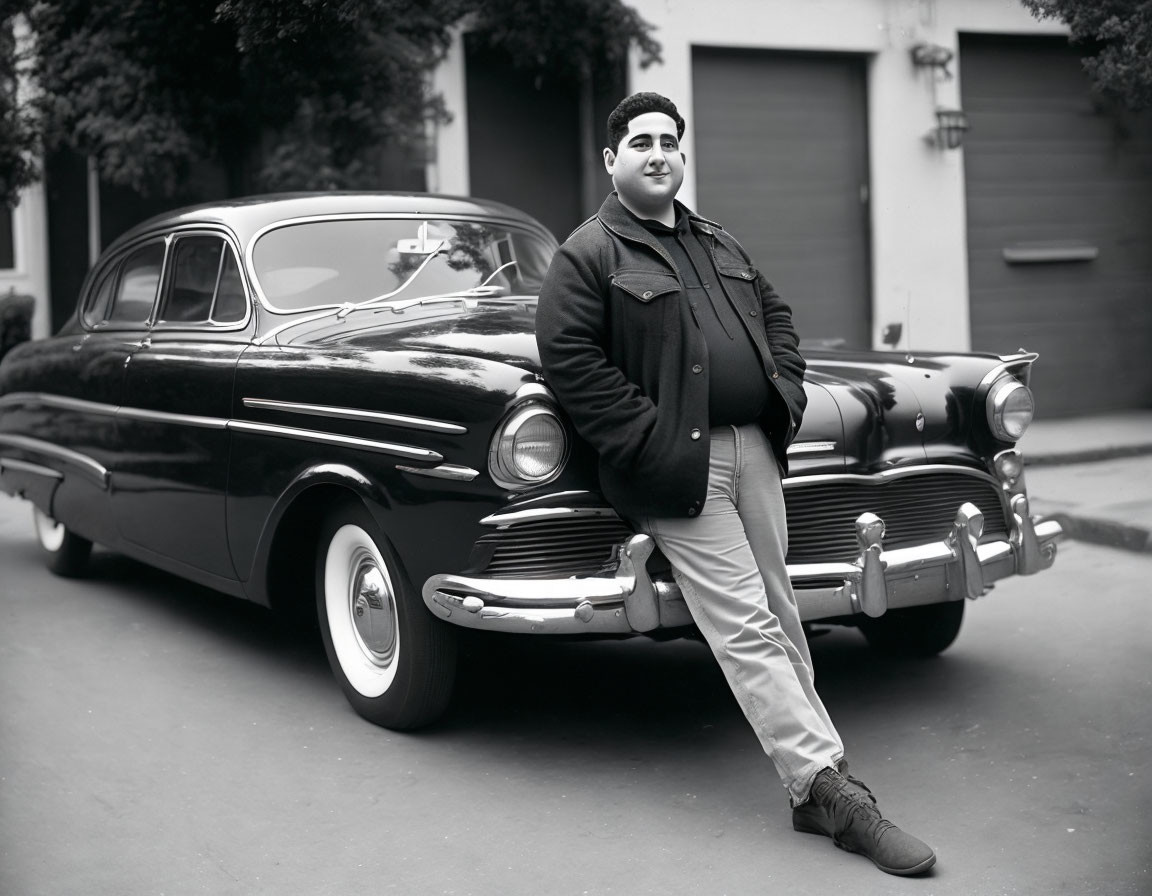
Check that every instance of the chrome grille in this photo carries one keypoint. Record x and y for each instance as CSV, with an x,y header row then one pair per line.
x,y
821,526
565,547
915,510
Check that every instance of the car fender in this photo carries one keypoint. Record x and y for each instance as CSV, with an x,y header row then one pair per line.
x,y
297,510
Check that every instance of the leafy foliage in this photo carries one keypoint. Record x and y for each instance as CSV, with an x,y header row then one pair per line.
x,y
283,94
567,39
18,139
1119,33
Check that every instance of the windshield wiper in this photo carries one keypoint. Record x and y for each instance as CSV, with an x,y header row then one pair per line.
x,y
467,297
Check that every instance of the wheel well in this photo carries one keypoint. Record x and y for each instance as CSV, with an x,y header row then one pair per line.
x,y
292,557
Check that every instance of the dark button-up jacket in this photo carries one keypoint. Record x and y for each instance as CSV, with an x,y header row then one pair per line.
x,y
623,352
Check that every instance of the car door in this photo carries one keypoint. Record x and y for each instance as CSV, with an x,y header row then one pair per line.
x,y
170,483
70,409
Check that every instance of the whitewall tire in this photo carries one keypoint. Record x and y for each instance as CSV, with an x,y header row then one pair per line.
x,y
395,662
65,552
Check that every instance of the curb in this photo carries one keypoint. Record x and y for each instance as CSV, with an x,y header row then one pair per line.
x,y
1087,455
1109,533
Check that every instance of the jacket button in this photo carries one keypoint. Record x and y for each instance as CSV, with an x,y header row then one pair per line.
x,y
696,368
753,312
695,434
775,374
691,511
647,293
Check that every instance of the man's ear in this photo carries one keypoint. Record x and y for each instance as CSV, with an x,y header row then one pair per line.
x,y
609,159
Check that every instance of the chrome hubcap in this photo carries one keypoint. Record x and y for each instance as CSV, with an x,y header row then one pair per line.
x,y
373,610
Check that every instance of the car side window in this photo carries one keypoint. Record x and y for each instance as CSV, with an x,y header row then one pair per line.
x,y
205,285
195,266
97,308
231,301
137,284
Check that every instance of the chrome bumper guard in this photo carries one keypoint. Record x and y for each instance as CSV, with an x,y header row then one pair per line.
x,y
876,581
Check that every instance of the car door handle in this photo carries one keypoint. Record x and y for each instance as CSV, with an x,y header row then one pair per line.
x,y
146,342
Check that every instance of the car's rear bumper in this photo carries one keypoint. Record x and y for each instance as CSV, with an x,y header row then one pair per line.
x,y
877,580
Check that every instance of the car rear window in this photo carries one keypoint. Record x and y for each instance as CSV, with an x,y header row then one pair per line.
x,y
136,288
324,263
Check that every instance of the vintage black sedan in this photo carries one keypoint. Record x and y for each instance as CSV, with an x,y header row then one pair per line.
x,y
333,405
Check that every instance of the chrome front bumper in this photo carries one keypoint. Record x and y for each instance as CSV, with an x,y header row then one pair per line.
x,y
877,580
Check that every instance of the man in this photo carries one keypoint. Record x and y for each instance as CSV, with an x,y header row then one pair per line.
x,y
678,363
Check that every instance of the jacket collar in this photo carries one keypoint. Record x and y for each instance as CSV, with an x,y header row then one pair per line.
x,y
623,223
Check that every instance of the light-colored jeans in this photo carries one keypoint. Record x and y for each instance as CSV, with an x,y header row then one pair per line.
x,y
729,564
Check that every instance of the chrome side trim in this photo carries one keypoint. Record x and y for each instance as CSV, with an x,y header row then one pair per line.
x,y
887,475
811,447
25,398
534,514
179,419
571,494
44,399
326,438
444,471
11,463
92,468
342,413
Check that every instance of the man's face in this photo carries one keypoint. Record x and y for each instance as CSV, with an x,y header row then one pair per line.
x,y
647,167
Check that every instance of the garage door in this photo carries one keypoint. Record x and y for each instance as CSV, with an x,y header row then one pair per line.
x,y
781,161
1059,225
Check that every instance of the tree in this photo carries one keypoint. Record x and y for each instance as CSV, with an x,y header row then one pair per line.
x,y
1118,35
18,136
567,39
283,94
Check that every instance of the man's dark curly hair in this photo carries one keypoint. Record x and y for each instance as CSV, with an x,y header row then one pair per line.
x,y
638,104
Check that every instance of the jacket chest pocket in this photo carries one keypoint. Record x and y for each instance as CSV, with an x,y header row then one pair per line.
x,y
645,286
740,283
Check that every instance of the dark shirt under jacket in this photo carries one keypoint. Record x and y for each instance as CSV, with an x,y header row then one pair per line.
x,y
738,388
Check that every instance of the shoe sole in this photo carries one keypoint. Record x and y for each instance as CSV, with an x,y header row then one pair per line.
x,y
900,872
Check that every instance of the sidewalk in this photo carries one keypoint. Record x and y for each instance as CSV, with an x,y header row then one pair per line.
x,y
1094,475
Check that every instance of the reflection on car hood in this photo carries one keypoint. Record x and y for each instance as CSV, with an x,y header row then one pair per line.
x,y
893,409
504,333
867,411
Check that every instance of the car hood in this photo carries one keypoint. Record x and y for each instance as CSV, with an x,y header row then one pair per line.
x,y
502,333
867,411
893,409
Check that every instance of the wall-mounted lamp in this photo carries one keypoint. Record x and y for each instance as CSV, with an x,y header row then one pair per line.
x,y
949,131
932,56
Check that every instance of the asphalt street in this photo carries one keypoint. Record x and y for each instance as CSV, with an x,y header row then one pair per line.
x,y
157,738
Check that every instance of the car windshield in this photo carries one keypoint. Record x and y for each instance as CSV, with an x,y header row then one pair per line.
x,y
319,264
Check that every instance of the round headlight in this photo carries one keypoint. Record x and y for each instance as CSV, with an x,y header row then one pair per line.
x,y
529,448
1010,408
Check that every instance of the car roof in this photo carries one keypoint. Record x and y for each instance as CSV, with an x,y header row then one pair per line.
x,y
247,215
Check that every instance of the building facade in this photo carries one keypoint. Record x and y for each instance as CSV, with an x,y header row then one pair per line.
x,y
823,134
816,133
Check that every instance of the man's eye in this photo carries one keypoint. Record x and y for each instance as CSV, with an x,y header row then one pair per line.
x,y
670,145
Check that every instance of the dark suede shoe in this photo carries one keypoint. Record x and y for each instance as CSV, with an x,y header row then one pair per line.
x,y
858,785
836,808
812,817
